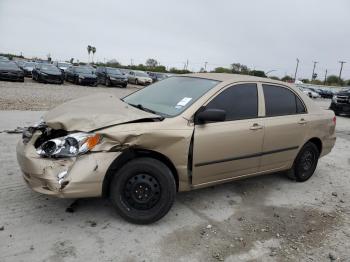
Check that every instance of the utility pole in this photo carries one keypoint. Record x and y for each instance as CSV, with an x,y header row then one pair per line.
x,y
131,61
313,70
341,68
325,78
296,70
186,64
205,66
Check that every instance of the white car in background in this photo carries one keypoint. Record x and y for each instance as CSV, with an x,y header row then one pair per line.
x,y
139,78
309,92
63,66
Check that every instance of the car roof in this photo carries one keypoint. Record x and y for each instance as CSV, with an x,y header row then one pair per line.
x,y
224,77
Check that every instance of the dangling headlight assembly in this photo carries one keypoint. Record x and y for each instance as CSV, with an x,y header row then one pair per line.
x,y
69,146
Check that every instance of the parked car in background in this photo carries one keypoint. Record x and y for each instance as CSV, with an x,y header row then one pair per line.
x,y
309,92
341,102
156,76
28,68
124,71
81,75
62,65
10,71
324,93
3,58
110,76
20,63
139,78
183,133
47,73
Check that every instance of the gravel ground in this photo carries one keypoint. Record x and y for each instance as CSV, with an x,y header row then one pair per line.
x,y
266,218
31,95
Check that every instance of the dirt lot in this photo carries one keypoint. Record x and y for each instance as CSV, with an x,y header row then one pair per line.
x,y
267,218
33,96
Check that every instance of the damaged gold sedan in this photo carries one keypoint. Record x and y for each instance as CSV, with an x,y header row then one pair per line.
x,y
182,133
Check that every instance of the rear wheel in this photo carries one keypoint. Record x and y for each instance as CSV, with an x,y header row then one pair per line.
x,y
143,190
306,162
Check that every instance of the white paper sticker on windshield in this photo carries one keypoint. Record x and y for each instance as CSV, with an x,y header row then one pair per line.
x,y
184,101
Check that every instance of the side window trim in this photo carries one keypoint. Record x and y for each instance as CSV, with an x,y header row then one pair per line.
x,y
291,90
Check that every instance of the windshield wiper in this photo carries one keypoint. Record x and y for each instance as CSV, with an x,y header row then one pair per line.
x,y
139,106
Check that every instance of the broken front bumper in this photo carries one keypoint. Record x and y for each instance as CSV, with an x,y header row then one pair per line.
x,y
76,177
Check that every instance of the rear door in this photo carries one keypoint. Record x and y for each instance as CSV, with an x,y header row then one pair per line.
x,y
224,150
285,127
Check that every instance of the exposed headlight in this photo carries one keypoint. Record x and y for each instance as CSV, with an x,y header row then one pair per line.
x,y
69,146
334,99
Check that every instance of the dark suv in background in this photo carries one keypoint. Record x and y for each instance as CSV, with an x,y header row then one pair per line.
x,y
110,76
47,73
81,75
10,71
341,102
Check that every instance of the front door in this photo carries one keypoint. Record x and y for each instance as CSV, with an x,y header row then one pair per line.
x,y
224,150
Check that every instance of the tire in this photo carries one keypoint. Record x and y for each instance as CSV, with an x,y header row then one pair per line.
x,y
76,81
108,82
306,162
125,85
136,81
147,175
336,113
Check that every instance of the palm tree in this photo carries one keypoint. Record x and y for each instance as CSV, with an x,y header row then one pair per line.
x,y
93,49
89,49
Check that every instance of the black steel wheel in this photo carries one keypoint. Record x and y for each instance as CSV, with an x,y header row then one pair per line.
x,y
143,190
306,162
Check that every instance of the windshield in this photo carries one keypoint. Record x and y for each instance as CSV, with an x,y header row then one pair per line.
x,y
140,73
86,70
50,68
171,96
63,65
114,71
10,65
29,64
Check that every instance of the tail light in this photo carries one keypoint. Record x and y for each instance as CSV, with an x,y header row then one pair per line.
x,y
335,120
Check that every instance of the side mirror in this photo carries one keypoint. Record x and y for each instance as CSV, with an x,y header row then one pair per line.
x,y
211,115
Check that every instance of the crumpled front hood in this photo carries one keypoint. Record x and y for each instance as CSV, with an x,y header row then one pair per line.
x,y
93,112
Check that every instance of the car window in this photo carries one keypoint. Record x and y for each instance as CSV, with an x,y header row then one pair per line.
x,y
281,101
239,102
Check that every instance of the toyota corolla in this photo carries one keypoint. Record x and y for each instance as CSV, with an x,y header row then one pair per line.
x,y
182,133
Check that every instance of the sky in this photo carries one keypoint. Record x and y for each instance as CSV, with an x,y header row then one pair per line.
x,y
262,34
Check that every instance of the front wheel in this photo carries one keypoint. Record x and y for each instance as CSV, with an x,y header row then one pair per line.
x,y
143,190
306,162
108,82
136,81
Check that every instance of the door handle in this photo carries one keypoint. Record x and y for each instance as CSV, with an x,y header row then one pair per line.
x,y
302,121
255,126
